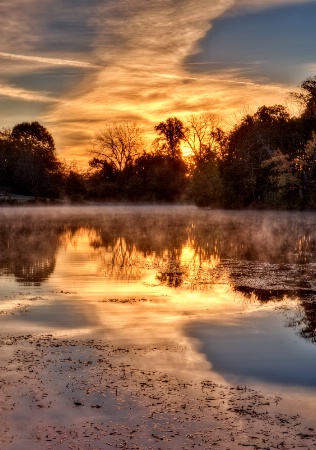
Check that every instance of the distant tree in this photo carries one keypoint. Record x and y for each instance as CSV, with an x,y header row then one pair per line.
x,y
28,161
157,177
117,145
75,182
171,133
37,141
204,136
293,179
6,135
206,185
102,179
251,142
8,159
306,96
283,190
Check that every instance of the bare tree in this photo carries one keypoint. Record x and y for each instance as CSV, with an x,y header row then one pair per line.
x,y
203,135
118,144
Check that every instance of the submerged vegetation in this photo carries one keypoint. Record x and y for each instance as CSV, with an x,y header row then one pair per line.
x,y
267,160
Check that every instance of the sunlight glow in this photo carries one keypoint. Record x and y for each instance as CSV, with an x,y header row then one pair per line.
x,y
186,151
139,69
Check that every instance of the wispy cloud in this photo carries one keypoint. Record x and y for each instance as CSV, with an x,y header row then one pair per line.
x,y
250,5
143,46
53,61
23,94
140,47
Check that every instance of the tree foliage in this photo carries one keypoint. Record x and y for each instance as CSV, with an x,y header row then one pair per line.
x,y
306,96
34,135
293,180
171,134
28,161
252,142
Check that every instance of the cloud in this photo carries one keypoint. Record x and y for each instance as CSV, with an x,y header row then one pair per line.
x,y
23,94
137,50
40,27
310,68
53,61
242,6
142,46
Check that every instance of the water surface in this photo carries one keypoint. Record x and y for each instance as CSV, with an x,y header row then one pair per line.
x,y
234,290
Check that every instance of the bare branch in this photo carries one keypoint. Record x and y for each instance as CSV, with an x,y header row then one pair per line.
x,y
118,144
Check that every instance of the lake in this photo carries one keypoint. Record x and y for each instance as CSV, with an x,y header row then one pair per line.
x,y
231,294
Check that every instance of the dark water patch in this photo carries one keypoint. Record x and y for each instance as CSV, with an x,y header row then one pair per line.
x,y
256,347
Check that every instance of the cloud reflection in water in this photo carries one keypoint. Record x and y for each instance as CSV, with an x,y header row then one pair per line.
x,y
167,276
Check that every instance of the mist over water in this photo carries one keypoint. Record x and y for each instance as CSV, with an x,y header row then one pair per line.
x,y
179,236
237,288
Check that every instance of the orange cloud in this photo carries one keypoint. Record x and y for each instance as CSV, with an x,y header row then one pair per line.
x,y
140,49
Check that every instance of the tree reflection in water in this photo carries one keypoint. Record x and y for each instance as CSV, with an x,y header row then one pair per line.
x,y
200,249
28,252
305,319
300,314
267,254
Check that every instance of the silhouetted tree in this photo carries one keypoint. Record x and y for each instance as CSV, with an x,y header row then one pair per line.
x,y
206,184
102,179
157,177
37,141
293,179
204,137
8,159
117,145
251,143
29,161
306,96
75,185
171,134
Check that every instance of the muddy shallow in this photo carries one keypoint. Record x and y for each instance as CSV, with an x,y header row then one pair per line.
x,y
149,328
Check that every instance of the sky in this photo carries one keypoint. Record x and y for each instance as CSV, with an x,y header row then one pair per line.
x,y
76,65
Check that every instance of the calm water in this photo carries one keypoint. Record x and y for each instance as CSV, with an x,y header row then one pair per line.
x,y
236,291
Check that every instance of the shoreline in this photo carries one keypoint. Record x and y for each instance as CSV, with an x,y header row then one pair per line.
x,y
87,394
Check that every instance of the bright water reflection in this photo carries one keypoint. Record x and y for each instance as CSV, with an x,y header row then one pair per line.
x,y
239,287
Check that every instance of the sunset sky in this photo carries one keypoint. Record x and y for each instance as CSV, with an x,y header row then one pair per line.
x,y
76,65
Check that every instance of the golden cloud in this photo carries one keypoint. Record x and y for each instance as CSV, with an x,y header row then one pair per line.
x,y
141,48
7,90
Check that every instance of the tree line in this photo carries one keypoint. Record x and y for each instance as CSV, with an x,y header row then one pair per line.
x,y
267,159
